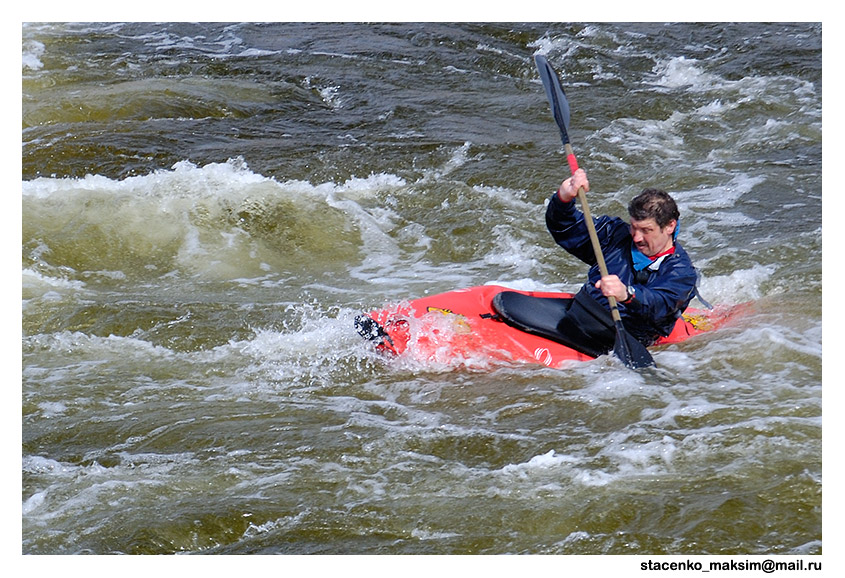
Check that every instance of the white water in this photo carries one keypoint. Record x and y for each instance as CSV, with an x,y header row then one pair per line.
x,y
188,343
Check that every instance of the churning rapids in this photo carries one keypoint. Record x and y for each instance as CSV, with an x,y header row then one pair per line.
x,y
207,207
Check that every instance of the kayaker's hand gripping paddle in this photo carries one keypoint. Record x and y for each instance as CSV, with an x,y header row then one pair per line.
x,y
632,353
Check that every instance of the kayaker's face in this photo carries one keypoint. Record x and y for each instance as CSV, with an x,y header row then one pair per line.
x,y
649,238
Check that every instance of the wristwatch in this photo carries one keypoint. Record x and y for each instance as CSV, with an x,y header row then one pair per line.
x,y
631,293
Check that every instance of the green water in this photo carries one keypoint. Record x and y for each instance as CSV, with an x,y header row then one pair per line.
x,y
207,207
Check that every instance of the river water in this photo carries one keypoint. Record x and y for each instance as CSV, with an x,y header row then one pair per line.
x,y
207,207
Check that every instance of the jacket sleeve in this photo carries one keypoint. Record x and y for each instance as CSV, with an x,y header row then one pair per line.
x,y
569,229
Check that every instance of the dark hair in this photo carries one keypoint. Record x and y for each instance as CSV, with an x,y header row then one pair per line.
x,y
654,204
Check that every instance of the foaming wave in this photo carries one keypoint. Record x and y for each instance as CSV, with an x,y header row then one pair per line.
x,y
220,221
31,55
92,347
615,462
738,287
682,72
39,285
314,350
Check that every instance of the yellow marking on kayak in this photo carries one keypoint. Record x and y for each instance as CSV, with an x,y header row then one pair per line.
x,y
460,320
698,322
439,310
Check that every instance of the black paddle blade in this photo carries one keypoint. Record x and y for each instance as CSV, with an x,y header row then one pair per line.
x,y
632,353
369,329
555,94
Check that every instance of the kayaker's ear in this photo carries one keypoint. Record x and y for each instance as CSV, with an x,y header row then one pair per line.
x,y
677,229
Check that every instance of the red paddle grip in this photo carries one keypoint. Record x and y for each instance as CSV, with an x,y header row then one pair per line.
x,y
573,163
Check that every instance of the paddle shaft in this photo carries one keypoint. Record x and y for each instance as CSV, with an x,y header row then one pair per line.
x,y
629,350
591,229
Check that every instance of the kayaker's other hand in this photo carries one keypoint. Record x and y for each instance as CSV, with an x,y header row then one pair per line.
x,y
611,286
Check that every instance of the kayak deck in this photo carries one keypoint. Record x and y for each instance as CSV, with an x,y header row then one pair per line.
x,y
464,324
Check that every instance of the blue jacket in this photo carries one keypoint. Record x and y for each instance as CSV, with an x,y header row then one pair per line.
x,y
660,299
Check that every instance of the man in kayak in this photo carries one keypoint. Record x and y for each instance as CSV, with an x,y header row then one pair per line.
x,y
650,274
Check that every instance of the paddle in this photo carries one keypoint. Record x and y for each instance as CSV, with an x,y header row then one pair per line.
x,y
632,353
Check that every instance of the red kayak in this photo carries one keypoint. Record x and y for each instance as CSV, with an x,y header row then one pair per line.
x,y
463,324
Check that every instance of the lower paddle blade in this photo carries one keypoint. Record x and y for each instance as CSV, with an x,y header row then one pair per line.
x,y
630,351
